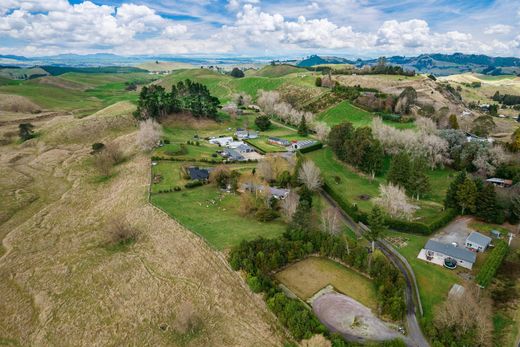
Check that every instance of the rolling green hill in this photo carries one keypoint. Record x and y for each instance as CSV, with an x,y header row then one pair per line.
x,y
277,70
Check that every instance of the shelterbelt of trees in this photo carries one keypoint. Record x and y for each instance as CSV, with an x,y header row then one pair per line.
x,y
185,97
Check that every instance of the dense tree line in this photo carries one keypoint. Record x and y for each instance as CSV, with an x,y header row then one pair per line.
x,y
492,263
185,97
506,99
358,147
410,174
261,257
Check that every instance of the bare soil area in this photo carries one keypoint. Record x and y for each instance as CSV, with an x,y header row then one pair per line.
x,y
61,285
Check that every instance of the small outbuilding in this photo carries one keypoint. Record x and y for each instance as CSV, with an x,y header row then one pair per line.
x,y
478,242
302,144
500,182
278,141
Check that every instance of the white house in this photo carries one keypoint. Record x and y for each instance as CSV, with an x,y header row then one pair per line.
x,y
302,144
221,141
478,242
438,252
242,134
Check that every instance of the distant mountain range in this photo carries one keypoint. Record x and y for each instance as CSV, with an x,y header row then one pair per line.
x,y
437,64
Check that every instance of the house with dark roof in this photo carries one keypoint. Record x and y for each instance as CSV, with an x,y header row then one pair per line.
x,y
478,242
198,174
437,252
232,155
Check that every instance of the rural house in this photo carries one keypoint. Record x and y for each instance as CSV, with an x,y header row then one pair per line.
x,y
278,141
221,141
243,148
500,182
198,174
478,242
277,193
439,253
243,134
232,155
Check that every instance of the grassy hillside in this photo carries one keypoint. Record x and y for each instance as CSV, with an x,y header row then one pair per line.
x,y
277,70
165,66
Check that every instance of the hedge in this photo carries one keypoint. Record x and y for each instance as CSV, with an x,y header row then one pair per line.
x,y
396,224
492,263
258,149
203,160
193,184
311,148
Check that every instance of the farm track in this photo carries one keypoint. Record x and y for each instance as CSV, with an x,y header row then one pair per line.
x,y
414,330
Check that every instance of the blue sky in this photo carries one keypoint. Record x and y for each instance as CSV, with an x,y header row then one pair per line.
x,y
356,28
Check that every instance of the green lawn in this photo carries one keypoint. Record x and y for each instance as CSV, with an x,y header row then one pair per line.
x,y
214,216
433,280
345,111
352,185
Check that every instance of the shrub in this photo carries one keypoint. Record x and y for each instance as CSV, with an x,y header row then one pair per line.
x,y
98,146
263,123
492,263
120,232
193,184
177,188
166,141
254,284
265,214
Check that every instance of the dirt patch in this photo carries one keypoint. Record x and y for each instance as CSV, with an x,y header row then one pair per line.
x,y
61,83
457,231
350,318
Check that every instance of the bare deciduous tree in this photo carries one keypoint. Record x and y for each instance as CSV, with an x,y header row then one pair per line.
x,y
289,205
119,230
322,131
271,166
393,200
231,109
467,313
426,125
331,221
241,99
310,175
489,158
267,100
149,134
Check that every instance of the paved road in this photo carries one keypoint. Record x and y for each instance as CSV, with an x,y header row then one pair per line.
x,y
415,335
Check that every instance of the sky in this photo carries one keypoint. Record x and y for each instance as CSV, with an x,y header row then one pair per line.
x,y
291,28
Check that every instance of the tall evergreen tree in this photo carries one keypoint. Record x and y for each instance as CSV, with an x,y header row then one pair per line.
x,y
338,135
400,170
418,181
303,129
467,195
454,124
376,222
486,205
451,195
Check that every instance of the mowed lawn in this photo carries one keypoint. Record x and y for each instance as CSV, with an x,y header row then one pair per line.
x,y
308,276
215,216
346,112
434,281
355,187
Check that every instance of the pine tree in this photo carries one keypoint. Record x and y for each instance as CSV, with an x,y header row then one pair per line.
x,y
376,222
486,204
303,130
454,124
467,195
451,195
418,181
400,169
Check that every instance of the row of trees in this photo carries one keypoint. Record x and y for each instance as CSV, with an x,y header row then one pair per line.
x,y
185,97
506,99
358,147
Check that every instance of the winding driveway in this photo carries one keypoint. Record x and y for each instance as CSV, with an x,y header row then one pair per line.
x,y
415,335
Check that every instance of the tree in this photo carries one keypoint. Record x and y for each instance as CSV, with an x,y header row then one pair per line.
x,y
289,204
338,136
318,82
310,175
400,170
486,205
237,73
467,195
453,123
376,223
149,134
322,131
450,200
483,125
231,109
515,139
393,200
331,221
418,181
241,99
303,129
220,176
26,131
263,123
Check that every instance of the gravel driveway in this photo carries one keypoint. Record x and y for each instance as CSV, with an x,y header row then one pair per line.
x,y
457,231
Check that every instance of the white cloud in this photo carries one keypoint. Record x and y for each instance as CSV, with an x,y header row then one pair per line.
x,y
498,29
234,5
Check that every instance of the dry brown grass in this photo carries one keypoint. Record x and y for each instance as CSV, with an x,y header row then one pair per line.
x,y
61,83
17,103
60,286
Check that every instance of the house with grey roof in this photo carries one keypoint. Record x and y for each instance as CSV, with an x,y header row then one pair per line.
x,y
232,155
243,134
278,141
478,242
244,148
198,174
302,144
437,252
